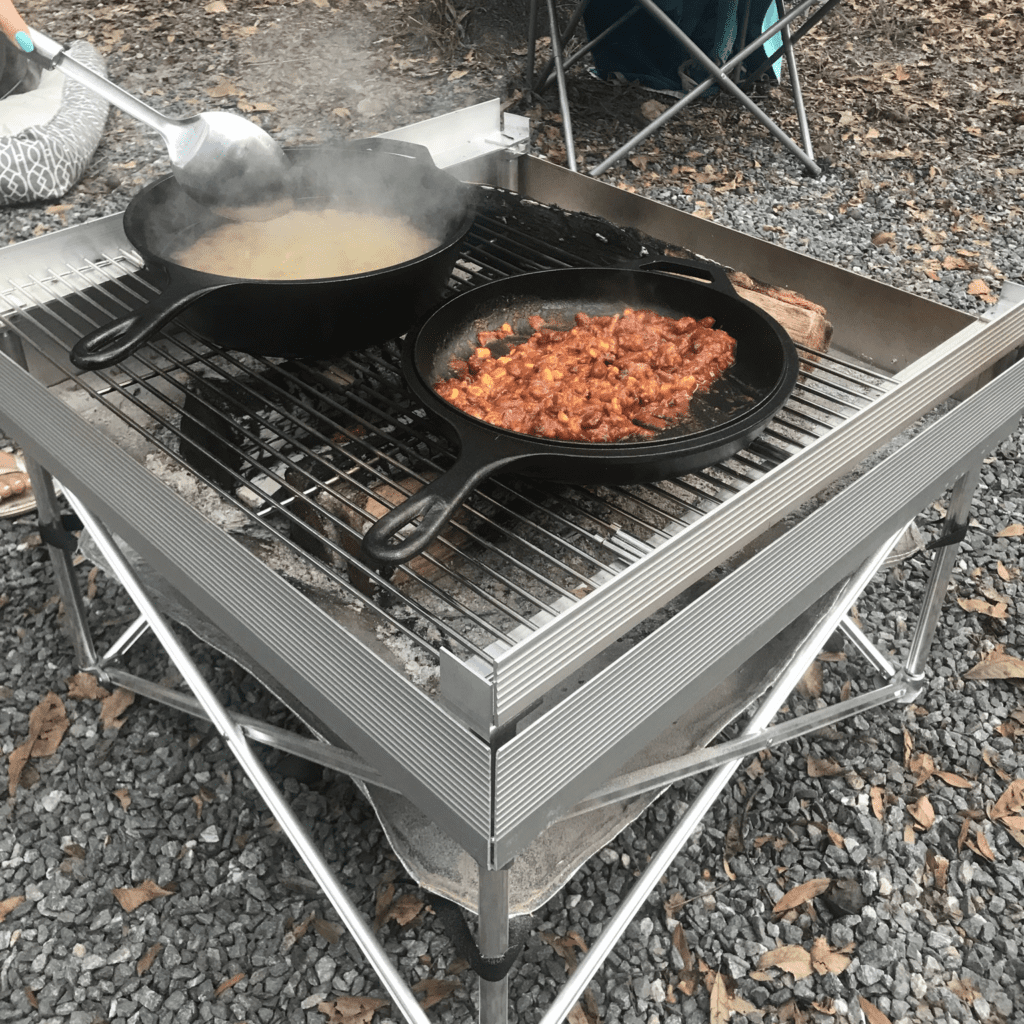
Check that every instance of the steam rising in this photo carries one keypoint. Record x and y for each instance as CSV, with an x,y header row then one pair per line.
x,y
367,176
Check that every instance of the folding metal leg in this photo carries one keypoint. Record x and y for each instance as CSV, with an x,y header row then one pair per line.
x,y
957,519
493,941
61,543
702,804
402,996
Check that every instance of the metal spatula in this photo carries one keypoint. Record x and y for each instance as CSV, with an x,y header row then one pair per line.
x,y
220,159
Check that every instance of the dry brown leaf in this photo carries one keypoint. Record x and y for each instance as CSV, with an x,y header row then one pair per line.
x,y
148,958
652,109
939,868
577,1015
872,1013
85,686
31,997
922,812
1013,530
327,930
225,88
790,1013
679,941
385,894
674,904
116,704
724,1005
47,723
132,899
811,681
801,894
997,666
963,989
7,905
794,959
908,747
351,1009
216,7
1010,803
404,909
124,797
819,768
921,766
883,238
982,607
952,779
228,983
434,990
878,801
979,844
826,960
565,946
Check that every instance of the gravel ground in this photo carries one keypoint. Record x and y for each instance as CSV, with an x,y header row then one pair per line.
x,y
917,812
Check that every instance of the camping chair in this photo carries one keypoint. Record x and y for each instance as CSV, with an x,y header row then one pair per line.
x,y
724,70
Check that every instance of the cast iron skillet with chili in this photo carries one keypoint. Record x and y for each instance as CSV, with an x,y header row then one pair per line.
x,y
721,422
307,319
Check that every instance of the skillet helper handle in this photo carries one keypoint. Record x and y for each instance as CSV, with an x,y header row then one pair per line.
x,y
117,340
702,270
433,505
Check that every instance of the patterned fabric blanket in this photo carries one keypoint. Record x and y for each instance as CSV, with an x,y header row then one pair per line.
x,y
641,50
49,134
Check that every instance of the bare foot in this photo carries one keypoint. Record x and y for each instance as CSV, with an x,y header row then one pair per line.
x,y
13,480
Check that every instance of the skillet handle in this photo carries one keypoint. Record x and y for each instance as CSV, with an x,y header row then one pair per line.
x,y
433,505
702,270
117,340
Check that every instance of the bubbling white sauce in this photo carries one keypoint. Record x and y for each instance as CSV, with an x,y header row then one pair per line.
x,y
306,244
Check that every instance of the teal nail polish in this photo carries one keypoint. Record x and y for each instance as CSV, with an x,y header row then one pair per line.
x,y
24,40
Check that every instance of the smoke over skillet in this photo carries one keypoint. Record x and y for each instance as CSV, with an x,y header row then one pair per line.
x,y
313,318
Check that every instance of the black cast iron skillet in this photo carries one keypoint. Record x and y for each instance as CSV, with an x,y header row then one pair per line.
x,y
721,422
313,319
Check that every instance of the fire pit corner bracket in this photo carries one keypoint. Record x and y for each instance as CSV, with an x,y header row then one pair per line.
x,y
465,688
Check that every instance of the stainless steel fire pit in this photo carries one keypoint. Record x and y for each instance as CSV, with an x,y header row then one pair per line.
x,y
489,693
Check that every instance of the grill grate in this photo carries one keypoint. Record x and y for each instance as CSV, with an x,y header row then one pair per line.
x,y
297,452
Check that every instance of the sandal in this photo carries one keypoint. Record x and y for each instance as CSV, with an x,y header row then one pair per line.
x,y
16,496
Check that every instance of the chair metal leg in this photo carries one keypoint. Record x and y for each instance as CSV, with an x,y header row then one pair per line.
x,y
531,44
794,81
563,94
724,76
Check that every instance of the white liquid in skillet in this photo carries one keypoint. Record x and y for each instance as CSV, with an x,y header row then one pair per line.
x,y
304,244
